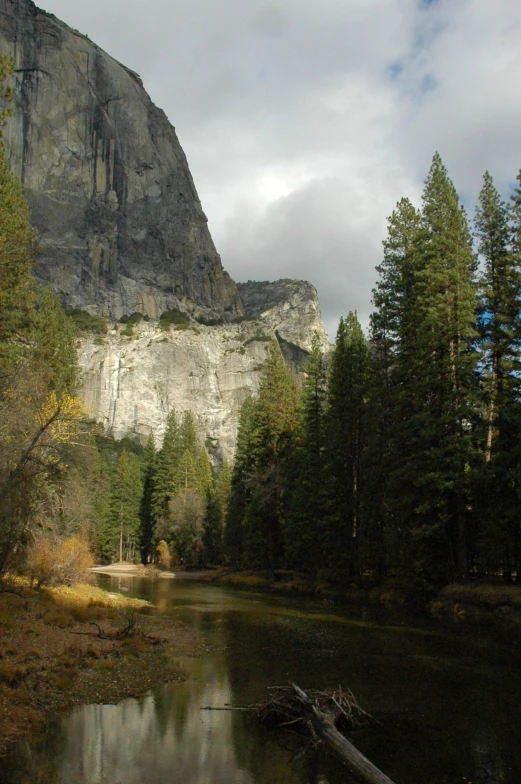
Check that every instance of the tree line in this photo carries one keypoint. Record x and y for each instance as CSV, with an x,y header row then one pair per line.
x,y
401,455
167,505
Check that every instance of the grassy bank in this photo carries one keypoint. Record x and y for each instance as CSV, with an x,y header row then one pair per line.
x,y
482,603
486,604
61,647
295,583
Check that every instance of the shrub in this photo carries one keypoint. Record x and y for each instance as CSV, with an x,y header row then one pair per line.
x,y
85,322
174,318
209,322
52,563
163,555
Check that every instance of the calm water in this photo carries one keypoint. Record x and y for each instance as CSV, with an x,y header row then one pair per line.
x,y
450,705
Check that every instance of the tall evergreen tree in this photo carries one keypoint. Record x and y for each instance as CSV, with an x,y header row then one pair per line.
x,y
274,422
166,466
307,493
216,511
347,389
145,511
392,326
434,373
234,534
499,325
122,525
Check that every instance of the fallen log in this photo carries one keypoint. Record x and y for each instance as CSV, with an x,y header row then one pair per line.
x,y
325,715
358,765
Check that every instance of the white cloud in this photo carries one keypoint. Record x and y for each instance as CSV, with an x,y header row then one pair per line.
x,y
305,122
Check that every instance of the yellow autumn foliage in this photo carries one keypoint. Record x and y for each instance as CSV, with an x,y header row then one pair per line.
x,y
64,414
50,562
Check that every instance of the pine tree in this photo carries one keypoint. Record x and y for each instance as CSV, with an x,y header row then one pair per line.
x,y
392,326
216,512
394,291
205,483
185,477
166,466
145,511
499,329
234,534
345,428
274,423
432,446
122,526
188,434
306,486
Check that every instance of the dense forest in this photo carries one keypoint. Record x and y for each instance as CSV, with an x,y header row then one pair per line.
x,y
397,454
401,456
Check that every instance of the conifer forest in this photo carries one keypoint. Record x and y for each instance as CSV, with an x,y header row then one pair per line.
x,y
396,454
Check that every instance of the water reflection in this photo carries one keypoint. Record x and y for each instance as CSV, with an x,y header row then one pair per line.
x,y
449,704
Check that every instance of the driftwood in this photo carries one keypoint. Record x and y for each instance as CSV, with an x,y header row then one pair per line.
x,y
326,716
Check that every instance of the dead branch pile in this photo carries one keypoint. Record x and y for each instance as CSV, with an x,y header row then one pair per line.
x,y
324,715
283,709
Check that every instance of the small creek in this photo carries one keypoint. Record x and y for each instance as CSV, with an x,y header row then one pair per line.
x,y
449,702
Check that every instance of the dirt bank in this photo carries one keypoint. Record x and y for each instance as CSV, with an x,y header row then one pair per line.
x,y
73,646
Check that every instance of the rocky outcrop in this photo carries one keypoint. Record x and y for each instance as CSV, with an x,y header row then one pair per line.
x,y
131,383
120,223
290,308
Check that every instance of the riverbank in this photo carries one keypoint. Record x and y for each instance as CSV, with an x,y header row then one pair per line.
x,y
61,647
496,606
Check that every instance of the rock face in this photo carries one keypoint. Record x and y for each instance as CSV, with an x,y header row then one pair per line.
x,y
131,383
120,223
122,230
289,307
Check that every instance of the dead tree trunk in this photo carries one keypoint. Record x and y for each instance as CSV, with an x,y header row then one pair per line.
x,y
358,765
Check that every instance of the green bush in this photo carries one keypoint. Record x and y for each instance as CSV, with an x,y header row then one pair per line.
x,y
173,318
85,322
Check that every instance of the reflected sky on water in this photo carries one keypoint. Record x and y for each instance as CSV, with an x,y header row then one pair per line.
x,y
449,702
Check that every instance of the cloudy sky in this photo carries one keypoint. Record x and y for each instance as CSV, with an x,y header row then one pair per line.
x,y
304,122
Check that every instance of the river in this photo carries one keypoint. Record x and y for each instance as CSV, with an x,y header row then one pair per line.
x,y
449,702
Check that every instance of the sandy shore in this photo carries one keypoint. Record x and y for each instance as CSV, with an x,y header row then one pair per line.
x,y
123,569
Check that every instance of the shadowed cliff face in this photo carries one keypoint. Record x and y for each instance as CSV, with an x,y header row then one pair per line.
x,y
120,223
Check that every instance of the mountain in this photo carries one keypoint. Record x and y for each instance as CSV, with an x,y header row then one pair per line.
x,y
122,231
120,222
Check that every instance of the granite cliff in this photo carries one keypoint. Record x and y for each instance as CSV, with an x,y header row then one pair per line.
x,y
121,226
130,383
122,230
